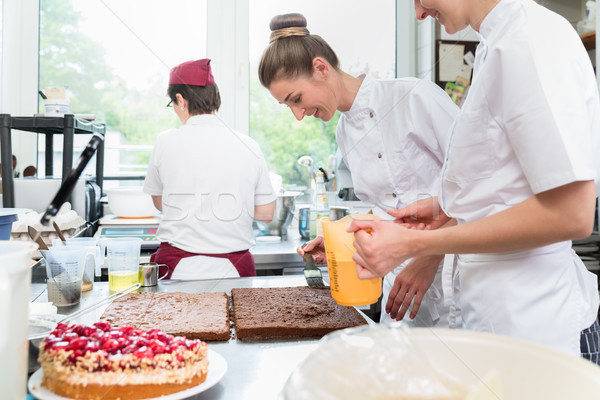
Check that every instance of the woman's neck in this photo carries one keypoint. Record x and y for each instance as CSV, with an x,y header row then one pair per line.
x,y
347,89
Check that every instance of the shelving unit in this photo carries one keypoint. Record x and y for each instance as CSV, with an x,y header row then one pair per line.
x,y
67,126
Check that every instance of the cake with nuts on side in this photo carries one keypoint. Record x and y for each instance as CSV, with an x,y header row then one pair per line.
x,y
101,362
262,313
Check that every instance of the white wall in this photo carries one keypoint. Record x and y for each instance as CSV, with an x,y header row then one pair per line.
x,y
19,78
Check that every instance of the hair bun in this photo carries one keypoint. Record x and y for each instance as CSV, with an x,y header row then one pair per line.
x,y
292,20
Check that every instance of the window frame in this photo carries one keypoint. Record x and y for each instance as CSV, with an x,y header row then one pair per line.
x,y
227,23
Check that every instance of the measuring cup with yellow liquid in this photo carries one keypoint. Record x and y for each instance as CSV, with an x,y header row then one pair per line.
x,y
346,288
123,259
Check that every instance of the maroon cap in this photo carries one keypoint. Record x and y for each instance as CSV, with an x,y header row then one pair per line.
x,y
197,73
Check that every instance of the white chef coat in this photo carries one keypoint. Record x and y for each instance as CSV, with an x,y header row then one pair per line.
x,y
530,124
393,140
210,178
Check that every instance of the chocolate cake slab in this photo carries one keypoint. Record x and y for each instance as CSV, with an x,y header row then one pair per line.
x,y
261,313
202,316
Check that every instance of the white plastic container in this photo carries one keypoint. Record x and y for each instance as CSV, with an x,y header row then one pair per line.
x,y
15,284
56,107
374,362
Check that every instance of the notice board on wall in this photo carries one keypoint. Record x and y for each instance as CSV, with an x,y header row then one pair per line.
x,y
450,61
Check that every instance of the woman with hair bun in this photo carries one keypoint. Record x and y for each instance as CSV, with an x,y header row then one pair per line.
x,y
392,135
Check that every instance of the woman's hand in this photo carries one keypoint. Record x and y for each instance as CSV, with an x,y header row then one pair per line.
x,y
412,283
317,248
422,214
380,246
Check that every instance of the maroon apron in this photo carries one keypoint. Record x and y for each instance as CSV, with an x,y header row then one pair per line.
x,y
243,261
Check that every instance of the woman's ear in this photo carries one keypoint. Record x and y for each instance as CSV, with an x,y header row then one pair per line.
x,y
180,101
321,68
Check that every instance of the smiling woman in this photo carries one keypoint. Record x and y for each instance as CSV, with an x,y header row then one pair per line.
x,y
282,139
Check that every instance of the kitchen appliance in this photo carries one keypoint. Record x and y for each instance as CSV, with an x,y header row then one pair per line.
x,y
111,226
283,214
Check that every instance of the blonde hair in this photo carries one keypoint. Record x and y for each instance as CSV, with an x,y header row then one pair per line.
x,y
291,50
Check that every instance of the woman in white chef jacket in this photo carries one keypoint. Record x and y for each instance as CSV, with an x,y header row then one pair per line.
x,y
209,181
520,178
392,135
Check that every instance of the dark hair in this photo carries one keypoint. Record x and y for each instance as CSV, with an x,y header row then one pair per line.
x,y
201,99
291,50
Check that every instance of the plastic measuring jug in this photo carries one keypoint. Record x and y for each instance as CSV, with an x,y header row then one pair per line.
x,y
123,258
64,267
346,288
94,258
15,289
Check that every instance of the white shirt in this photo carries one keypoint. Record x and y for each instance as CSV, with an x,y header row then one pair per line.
x,y
210,178
530,124
393,140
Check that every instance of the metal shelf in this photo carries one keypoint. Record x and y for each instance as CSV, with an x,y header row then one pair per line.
x,y
68,126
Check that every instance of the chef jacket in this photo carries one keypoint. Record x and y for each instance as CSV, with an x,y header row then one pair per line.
x,y
210,178
393,140
529,124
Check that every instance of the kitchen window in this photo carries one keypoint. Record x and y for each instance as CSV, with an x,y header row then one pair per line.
x,y
115,56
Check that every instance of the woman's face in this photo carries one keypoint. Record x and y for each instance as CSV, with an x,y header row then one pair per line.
x,y
306,96
449,13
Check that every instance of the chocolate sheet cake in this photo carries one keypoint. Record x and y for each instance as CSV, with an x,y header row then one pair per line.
x,y
202,316
261,313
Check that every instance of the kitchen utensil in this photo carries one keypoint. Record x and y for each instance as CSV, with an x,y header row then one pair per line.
x,y
107,300
338,212
313,275
15,285
69,183
282,217
148,273
64,267
37,237
93,265
488,366
123,258
346,288
130,202
59,232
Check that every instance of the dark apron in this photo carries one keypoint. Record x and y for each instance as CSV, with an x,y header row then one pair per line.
x,y
243,261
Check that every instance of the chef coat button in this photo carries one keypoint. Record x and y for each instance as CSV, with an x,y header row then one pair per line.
x,y
371,114
379,155
394,195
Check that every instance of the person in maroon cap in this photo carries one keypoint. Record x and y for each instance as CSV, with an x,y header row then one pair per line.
x,y
209,181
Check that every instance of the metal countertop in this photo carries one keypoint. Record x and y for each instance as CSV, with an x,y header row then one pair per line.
x,y
255,369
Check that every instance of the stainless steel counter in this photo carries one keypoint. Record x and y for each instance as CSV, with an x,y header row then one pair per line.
x,y
277,255
255,369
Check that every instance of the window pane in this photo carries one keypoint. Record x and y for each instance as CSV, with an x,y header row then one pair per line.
x,y
363,36
115,57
